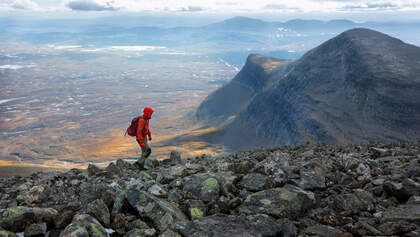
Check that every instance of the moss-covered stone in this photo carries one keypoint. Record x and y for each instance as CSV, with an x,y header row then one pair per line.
x,y
255,182
289,201
169,233
36,229
17,218
204,187
100,211
93,227
141,232
75,230
137,224
257,225
5,233
160,212
195,209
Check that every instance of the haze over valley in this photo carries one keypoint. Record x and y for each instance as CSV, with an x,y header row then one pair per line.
x,y
68,93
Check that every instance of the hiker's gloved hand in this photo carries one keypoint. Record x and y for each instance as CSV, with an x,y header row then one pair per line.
x,y
150,138
142,144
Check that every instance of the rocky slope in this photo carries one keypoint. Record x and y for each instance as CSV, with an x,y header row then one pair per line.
x,y
359,86
309,190
235,95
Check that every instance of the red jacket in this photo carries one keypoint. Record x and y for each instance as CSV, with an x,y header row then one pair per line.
x,y
143,126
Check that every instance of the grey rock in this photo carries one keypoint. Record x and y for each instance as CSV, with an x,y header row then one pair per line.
x,y
232,226
141,232
151,163
36,229
169,233
100,211
255,182
137,224
163,214
288,229
113,170
17,218
93,170
414,200
195,209
158,191
175,157
289,201
409,212
93,227
397,228
203,186
323,231
311,181
5,233
363,169
349,202
75,230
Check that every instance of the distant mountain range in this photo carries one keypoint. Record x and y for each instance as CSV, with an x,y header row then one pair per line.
x,y
229,38
362,85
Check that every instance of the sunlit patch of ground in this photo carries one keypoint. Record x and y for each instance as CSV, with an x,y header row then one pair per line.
x,y
71,110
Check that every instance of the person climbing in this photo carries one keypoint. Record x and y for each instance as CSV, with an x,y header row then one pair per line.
x,y
140,129
143,132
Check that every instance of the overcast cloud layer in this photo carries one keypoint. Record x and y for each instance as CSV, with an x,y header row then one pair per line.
x,y
210,5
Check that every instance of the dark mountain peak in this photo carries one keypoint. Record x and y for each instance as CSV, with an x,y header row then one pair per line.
x,y
361,85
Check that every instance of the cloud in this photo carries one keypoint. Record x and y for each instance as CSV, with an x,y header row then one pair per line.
x,y
370,6
24,5
279,7
191,9
89,5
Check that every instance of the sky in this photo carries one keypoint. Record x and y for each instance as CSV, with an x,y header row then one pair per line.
x,y
384,9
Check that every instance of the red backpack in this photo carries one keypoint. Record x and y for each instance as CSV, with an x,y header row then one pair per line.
x,y
132,129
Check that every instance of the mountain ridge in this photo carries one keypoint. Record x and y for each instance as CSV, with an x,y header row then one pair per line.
x,y
361,85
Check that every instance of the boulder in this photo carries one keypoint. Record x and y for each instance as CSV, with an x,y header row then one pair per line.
x,y
100,211
113,170
16,219
169,233
178,171
36,229
409,212
311,181
90,224
232,226
137,224
141,232
288,229
195,209
175,158
118,203
5,233
349,202
75,230
255,182
63,219
397,228
161,213
289,201
322,231
203,186
158,191
151,163
93,170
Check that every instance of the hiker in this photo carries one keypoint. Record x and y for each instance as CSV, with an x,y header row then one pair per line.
x,y
143,132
